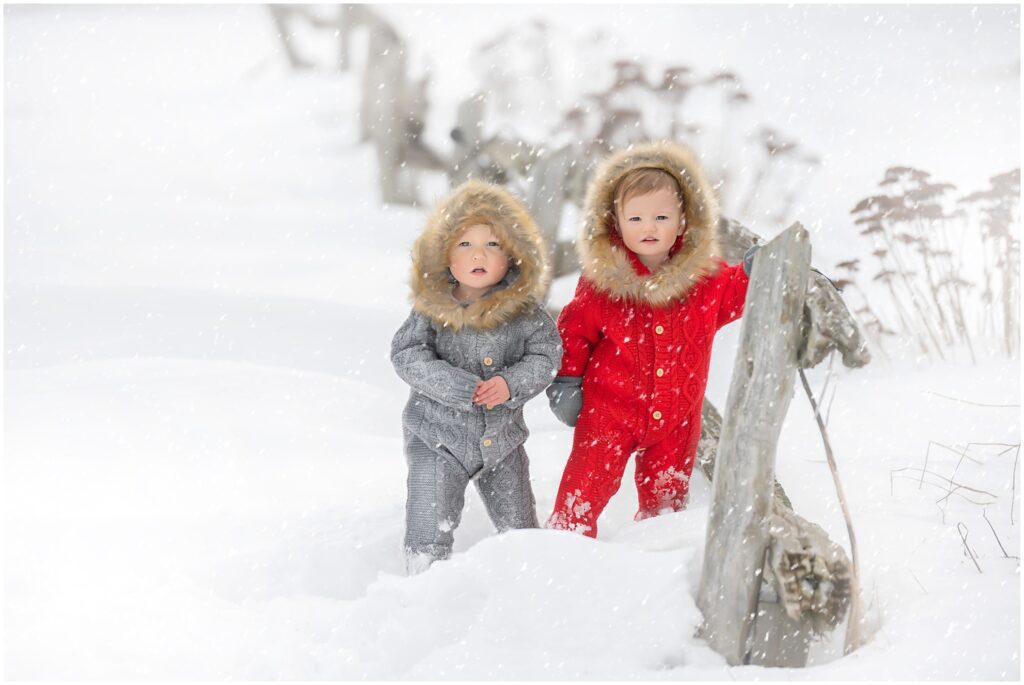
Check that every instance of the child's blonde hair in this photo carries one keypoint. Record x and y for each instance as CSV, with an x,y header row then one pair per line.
x,y
473,220
645,180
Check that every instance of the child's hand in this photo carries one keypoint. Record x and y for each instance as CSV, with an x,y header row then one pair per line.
x,y
492,392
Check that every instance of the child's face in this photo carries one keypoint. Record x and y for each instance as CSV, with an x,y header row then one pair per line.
x,y
477,259
650,223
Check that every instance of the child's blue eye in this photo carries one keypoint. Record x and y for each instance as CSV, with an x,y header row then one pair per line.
x,y
662,217
464,243
493,244
633,218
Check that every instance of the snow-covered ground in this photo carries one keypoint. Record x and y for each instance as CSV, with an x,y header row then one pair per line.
x,y
203,475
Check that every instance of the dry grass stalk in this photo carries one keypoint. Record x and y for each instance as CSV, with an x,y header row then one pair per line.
x,y
970,553
999,542
853,639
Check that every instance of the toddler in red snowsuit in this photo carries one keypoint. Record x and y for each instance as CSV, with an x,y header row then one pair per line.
x,y
638,332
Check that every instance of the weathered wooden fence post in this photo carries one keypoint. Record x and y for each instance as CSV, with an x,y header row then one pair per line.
x,y
763,379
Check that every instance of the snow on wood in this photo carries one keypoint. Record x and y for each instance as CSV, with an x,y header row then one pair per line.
x,y
738,524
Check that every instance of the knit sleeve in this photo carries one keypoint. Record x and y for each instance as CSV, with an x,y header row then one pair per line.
x,y
541,359
580,327
414,356
733,281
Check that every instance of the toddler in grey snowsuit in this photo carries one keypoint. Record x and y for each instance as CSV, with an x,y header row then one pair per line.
x,y
477,345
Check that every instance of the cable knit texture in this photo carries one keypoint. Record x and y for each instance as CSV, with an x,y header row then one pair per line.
x,y
642,343
444,348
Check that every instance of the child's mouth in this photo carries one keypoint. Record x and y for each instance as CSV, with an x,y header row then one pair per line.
x,y
649,240
479,270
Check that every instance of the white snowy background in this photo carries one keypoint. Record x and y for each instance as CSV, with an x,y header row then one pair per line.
x,y
203,475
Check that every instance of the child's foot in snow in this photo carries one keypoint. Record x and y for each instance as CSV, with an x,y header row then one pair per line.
x,y
417,562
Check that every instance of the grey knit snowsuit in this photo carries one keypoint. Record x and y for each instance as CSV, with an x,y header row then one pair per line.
x,y
445,348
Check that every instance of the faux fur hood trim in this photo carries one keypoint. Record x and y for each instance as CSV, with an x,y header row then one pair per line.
x,y
522,287
607,261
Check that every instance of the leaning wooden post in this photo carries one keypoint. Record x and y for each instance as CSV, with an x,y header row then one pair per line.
x,y
762,387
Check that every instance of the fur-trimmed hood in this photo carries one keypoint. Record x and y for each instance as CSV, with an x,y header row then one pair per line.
x,y
523,285
609,264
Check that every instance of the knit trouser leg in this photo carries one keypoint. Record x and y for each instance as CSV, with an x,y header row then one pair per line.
x,y
592,474
663,473
506,492
436,494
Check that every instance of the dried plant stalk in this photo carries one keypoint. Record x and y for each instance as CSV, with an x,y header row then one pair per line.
x,y
853,639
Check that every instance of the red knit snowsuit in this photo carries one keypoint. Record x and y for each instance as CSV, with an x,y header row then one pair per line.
x,y
644,372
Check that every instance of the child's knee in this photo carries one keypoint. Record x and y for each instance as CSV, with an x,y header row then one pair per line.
x,y
517,518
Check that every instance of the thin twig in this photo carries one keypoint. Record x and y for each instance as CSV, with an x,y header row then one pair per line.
x,y
957,468
977,404
831,402
1013,479
954,492
918,581
828,374
956,486
1013,482
927,452
960,453
962,529
853,625
964,454
1008,445
998,541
